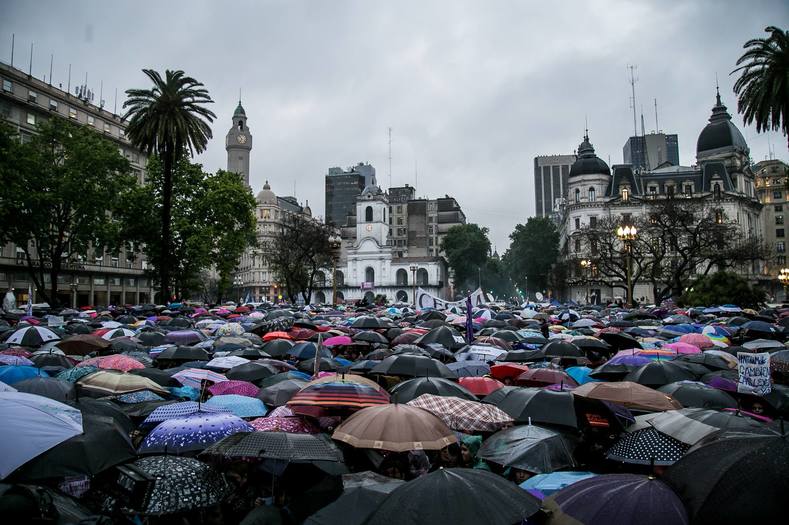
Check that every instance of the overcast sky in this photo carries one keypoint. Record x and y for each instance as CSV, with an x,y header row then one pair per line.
x,y
472,90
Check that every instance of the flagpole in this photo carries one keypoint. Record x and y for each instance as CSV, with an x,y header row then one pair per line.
x,y
317,365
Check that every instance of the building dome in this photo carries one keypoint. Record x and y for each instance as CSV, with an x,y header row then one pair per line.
x,y
720,132
588,163
239,112
266,196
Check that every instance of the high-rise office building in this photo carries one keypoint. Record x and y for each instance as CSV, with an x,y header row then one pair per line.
x,y
342,188
651,151
550,181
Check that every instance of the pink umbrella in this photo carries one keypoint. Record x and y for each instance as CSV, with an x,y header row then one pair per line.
x,y
242,388
295,424
114,362
683,348
338,341
699,340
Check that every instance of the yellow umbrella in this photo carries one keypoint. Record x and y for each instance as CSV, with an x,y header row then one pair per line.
x,y
113,382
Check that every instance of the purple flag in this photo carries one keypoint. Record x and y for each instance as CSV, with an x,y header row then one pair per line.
x,y
469,326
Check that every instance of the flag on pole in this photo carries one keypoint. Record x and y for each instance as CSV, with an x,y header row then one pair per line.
x,y
317,368
469,325
29,300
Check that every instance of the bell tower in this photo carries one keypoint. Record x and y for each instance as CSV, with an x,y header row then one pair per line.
x,y
238,143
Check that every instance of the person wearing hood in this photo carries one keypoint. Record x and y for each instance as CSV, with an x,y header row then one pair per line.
x,y
469,446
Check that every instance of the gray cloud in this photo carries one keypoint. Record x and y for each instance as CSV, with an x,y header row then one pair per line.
x,y
472,90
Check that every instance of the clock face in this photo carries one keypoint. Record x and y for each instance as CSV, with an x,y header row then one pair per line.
x,y
242,139
369,227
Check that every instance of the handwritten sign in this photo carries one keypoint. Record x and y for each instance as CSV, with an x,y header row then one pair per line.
x,y
426,300
754,370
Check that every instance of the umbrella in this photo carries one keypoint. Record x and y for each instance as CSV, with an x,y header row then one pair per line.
x,y
698,340
580,374
181,484
113,362
463,415
413,366
160,377
507,371
647,446
683,348
370,322
443,335
535,404
479,352
529,447
764,345
33,424
117,332
112,382
469,368
547,484
191,433
251,372
151,338
72,375
393,427
83,344
226,362
336,394
698,395
242,388
183,353
616,498
31,336
340,340
629,394
545,376
13,374
294,424
103,444
659,373
480,386
15,360
180,410
280,393
618,367
352,508
370,337
458,496
413,388
241,406
289,447
278,347
185,337
559,348
324,365
711,359
683,424
194,377
47,387
307,350
741,480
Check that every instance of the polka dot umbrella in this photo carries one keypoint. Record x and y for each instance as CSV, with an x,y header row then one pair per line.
x,y
647,446
192,433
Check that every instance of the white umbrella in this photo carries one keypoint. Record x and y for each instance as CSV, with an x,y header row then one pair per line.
x,y
118,332
226,362
32,425
32,336
6,388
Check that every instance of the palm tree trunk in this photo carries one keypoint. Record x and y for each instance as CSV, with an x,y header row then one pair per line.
x,y
167,204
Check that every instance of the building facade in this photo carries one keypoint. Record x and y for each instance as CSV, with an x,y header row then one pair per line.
x,y
651,151
95,278
551,174
721,178
342,188
772,189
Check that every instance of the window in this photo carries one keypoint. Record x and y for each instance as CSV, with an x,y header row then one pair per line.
x,y
429,229
401,277
779,219
593,222
368,214
577,223
626,218
625,194
670,191
72,113
577,196
121,132
653,190
716,191
91,120
107,128
780,247
20,256
777,194
99,281
369,275
430,241
265,213
115,281
32,96
591,195
31,119
779,232
778,208
53,105
577,245
399,220
781,259
689,189
399,208
8,87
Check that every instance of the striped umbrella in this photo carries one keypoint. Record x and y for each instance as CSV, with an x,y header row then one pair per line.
x,y
194,377
338,394
117,332
32,336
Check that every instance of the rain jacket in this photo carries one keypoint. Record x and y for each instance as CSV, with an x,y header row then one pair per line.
x,y
473,443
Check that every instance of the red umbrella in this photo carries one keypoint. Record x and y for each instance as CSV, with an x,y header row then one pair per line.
x,y
480,386
19,352
113,362
276,335
507,370
242,388
495,341
545,376
301,334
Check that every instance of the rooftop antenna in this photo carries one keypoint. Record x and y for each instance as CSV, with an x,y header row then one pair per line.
x,y
68,89
657,128
13,36
390,157
30,69
101,94
642,121
115,107
586,127
51,61
633,80
416,175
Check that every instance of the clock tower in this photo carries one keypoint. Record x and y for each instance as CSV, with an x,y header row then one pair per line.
x,y
238,144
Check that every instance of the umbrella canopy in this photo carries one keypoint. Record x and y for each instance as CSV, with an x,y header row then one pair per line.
x,y
277,347
536,404
337,394
242,388
194,377
545,376
507,371
463,415
113,362
547,484
479,352
529,447
114,333
251,372
618,367
181,484
48,387
647,446
278,394
480,386
413,366
288,447
239,405
659,373
443,335
32,425
698,395
32,336
191,433
226,362
397,428
14,374
370,337
457,496
741,480
294,424
179,410
15,360
616,498
352,508
559,348
185,337
51,361
307,350
413,388
470,368
83,344
72,375
183,353
160,377
629,394
112,382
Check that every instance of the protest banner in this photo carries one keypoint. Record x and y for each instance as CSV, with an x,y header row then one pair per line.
x,y
754,371
426,300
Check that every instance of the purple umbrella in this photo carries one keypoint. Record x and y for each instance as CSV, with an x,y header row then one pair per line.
x,y
184,337
192,433
15,360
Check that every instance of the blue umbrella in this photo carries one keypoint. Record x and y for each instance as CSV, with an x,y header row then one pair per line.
x,y
542,485
192,433
180,410
241,406
307,350
470,368
185,392
72,375
13,374
580,374
342,361
139,397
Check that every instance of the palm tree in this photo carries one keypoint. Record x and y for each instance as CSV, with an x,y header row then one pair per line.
x,y
763,86
168,120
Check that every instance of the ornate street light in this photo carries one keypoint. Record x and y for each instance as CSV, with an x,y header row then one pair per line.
x,y
586,265
413,269
783,278
628,234
335,243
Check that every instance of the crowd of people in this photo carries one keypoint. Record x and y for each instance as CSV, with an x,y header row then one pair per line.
x,y
507,414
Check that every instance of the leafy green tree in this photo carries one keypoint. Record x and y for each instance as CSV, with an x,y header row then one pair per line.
x,y
467,248
722,288
61,194
168,120
763,86
533,251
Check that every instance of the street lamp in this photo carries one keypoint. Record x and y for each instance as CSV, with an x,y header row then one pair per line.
x,y
586,265
628,234
413,269
783,277
335,242
238,283
73,286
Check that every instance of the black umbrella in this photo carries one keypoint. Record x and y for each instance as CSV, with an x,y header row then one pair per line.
x,y
659,373
364,366
278,347
124,344
352,508
405,349
647,446
495,323
529,447
413,366
741,480
251,372
183,353
711,361
326,365
589,343
393,332
48,387
620,340
536,405
559,348
160,377
51,360
102,445
151,338
456,496
105,408
379,354
432,315
368,321
280,393
413,388
287,447
445,336
433,323
249,352
522,356
181,484
698,395
370,337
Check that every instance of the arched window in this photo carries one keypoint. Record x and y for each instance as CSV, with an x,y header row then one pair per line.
x,y
401,296
320,297
369,275
421,277
591,195
241,125
320,280
369,297
625,194
339,278
716,191
577,195
401,277
340,297
368,214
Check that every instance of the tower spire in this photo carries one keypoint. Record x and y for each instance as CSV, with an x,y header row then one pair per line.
x,y
717,92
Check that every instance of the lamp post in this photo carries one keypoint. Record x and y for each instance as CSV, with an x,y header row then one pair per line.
x,y
73,286
783,277
586,265
335,242
413,269
628,234
238,283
